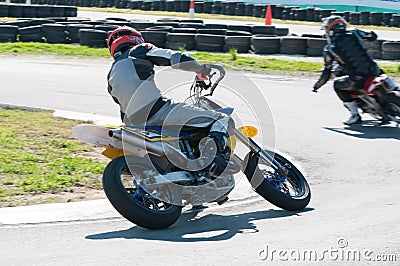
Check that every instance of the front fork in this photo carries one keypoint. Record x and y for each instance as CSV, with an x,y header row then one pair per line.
x,y
281,170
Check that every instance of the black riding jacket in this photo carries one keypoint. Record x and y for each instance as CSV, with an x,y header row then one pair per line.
x,y
349,51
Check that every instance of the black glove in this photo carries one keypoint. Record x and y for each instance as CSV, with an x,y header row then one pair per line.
x,y
325,76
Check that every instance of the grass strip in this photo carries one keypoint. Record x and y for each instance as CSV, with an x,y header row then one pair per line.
x,y
255,64
32,48
38,154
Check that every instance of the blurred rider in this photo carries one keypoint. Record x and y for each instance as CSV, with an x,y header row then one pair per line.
x,y
346,55
132,86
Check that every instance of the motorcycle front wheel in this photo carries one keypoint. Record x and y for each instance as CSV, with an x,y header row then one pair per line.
x,y
131,200
291,192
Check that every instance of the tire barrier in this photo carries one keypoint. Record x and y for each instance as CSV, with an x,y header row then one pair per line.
x,y
92,37
68,8
266,45
315,46
31,34
158,38
391,50
240,43
293,45
55,33
181,34
37,11
177,41
209,42
8,33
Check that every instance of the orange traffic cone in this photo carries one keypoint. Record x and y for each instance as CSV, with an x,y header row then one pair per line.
x,y
268,16
191,9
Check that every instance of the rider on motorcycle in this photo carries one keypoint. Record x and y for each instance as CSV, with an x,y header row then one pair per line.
x,y
346,55
132,86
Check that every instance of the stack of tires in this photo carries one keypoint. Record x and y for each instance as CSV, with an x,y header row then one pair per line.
x,y
230,8
375,18
177,41
293,45
365,18
391,50
36,11
266,31
395,21
43,11
158,38
266,45
73,31
15,11
8,33
207,7
199,7
310,14
355,18
248,10
240,9
300,14
374,48
3,10
31,34
55,33
209,42
315,46
258,10
93,37
240,43
387,16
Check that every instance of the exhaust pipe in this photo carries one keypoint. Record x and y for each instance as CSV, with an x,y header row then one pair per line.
x,y
159,148
155,148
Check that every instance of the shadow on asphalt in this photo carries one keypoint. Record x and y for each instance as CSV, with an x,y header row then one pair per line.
x,y
211,227
369,130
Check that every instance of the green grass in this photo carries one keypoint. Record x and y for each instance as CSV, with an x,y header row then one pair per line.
x,y
53,49
255,64
38,154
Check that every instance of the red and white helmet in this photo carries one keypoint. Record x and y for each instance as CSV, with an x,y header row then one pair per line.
x,y
123,37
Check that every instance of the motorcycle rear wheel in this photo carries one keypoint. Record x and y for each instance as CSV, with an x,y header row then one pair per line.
x,y
291,193
392,102
130,201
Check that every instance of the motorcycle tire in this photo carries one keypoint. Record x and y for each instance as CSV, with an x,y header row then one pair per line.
x,y
294,200
391,101
147,212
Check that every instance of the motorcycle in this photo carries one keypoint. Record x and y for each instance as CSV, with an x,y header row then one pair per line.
x,y
154,173
378,99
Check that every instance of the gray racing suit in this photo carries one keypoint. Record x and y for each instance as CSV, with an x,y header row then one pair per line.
x,y
131,84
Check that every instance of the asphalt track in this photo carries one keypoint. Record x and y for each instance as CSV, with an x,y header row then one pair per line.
x,y
353,173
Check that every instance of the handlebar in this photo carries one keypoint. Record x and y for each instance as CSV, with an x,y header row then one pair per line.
x,y
222,73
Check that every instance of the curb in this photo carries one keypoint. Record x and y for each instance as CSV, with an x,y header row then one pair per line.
x,y
85,117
